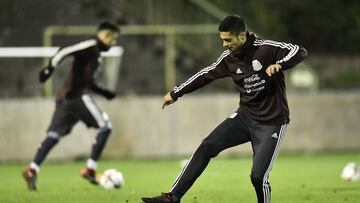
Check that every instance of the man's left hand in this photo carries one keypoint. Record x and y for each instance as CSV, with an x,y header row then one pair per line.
x,y
274,68
45,73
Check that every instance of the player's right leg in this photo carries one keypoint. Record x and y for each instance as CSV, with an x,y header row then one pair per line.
x,y
61,124
231,132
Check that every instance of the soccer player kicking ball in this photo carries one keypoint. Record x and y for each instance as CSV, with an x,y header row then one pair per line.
x,y
73,103
256,66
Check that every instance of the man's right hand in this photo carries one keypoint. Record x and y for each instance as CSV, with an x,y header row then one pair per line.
x,y
45,73
167,100
109,94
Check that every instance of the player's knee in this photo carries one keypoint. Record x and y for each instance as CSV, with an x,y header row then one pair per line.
x,y
211,149
106,129
55,135
257,181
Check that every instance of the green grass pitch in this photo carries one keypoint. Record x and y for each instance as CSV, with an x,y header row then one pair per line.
x,y
294,179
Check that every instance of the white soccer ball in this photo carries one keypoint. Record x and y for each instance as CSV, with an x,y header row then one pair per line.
x,y
351,172
112,178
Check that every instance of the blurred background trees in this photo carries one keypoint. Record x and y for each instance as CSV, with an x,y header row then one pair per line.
x,y
330,30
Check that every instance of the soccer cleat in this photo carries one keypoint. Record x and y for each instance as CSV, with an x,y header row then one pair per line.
x,y
90,175
163,198
29,175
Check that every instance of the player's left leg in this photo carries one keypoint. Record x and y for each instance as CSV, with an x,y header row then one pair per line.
x,y
265,141
88,112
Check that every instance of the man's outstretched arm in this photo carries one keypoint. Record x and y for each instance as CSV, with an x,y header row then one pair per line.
x,y
206,75
46,72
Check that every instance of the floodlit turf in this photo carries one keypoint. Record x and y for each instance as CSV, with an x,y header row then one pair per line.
x,y
294,179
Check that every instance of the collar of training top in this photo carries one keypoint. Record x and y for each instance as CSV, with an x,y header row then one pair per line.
x,y
245,48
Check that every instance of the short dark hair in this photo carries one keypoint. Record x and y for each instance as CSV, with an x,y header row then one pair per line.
x,y
233,24
108,26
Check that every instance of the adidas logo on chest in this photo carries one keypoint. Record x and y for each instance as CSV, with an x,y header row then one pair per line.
x,y
238,71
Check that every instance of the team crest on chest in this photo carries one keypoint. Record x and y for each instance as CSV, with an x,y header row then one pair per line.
x,y
256,65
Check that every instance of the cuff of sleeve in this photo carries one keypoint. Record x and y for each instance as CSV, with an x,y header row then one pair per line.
x,y
173,96
283,66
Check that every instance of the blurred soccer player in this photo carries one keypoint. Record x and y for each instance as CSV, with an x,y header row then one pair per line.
x,y
73,103
256,66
